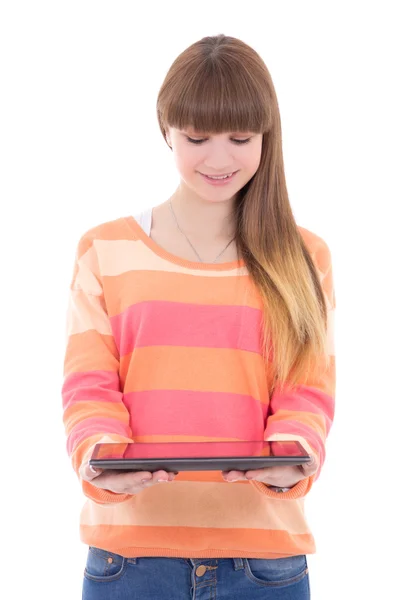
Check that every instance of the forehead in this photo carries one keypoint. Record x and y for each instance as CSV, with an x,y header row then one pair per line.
x,y
192,131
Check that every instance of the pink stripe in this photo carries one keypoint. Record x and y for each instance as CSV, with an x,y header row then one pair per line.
x,y
94,426
307,399
296,428
159,323
103,386
176,412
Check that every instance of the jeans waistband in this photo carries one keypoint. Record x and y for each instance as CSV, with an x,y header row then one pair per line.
x,y
238,562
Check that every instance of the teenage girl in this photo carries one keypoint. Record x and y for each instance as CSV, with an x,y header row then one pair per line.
x,y
207,317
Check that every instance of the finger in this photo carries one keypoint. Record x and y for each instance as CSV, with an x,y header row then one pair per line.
x,y
269,475
127,477
136,477
233,475
160,476
257,473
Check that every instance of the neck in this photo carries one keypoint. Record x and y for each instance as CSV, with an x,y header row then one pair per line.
x,y
203,218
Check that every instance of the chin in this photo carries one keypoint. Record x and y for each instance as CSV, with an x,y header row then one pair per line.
x,y
217,198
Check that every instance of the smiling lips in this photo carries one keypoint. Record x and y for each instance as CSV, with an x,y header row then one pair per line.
x,y
218,176
219,179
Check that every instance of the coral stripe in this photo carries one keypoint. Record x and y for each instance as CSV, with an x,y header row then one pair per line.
x,y
180,324
92,426
176,412
102,386
82,410
307,399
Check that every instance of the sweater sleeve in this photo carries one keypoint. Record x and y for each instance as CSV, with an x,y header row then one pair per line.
x,y
305,413
92,401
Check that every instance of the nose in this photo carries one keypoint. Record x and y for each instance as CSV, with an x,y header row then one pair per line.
x,y
219,159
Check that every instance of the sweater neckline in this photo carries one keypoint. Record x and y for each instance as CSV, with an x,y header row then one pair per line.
x,y
150,243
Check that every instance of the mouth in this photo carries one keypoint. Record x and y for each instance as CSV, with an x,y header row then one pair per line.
x,y
219,179
218,175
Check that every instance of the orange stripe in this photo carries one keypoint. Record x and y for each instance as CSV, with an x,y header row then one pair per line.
x,y
193,364
179,541
167,286
321,377
90,351
229,506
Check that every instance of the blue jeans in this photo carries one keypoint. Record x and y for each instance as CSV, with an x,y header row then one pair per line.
x,y
111,576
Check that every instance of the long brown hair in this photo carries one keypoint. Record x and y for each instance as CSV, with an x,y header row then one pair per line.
x,y
220,84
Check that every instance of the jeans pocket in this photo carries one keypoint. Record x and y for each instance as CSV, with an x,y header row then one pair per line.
x,y
102,565
276,572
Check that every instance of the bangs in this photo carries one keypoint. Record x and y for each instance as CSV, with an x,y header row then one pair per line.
x,y
217,98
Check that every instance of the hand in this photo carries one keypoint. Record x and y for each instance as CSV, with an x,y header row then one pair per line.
x,y
285,476
130,482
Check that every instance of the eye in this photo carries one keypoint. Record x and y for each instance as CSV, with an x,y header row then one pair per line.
x,y
192,141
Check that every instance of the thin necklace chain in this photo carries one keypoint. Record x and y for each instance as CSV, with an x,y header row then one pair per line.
x,y
177,224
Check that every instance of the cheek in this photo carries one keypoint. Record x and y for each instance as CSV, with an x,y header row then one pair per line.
x,y
186,163
253,160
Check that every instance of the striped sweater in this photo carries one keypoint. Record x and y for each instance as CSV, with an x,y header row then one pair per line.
x,y
160,348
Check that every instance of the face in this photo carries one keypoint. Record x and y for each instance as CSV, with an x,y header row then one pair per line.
x,y
198,154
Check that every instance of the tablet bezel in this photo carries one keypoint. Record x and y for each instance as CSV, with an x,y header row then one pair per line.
x,y
218,463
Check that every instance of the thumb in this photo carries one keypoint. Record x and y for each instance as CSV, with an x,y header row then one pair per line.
x,y
88,472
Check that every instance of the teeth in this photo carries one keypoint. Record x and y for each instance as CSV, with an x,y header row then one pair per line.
x,y
220,177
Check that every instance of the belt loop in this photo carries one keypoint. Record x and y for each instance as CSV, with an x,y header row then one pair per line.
x,y
238,562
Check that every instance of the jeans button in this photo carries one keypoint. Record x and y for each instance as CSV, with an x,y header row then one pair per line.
x,y
201,570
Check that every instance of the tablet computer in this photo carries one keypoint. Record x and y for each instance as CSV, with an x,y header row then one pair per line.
x,y
197,456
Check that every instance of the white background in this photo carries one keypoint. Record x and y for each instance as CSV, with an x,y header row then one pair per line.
x,y
80,145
